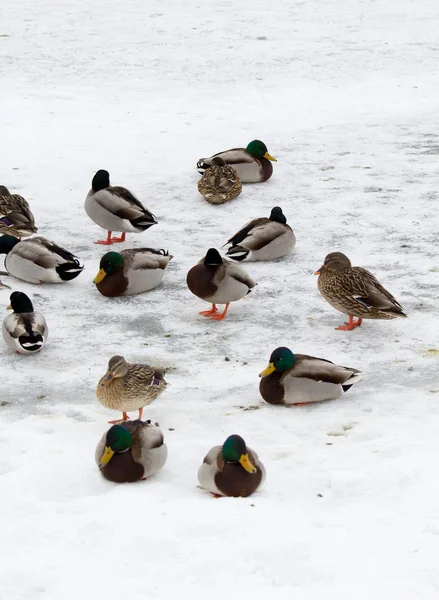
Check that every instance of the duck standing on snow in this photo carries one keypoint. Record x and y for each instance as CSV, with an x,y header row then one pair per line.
x,y
131,271
115,209
263,239
355,292
232,469
300,379
38,260
132,451
25,331
220,183
252,164
218,281
16,217
128,387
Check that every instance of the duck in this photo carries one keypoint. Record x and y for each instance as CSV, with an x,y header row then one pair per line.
x,y
25,330
115,209
263,239
252,164
299,379
131,452
16,217
38,260
220,182
218,281
232,469
127,387
131,271
355,292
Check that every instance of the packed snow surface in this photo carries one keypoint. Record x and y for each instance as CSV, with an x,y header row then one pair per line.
x,y
345,95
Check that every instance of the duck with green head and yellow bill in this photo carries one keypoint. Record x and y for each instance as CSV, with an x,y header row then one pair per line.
x,y
252,164
355,292
131,452
297,379
131,271
232,469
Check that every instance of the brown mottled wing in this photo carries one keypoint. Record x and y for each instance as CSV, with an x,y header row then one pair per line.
x,y
319,369
366,289
233,270
17,210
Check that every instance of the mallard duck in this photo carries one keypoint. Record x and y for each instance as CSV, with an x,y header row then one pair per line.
x,y
128,387
218,281
220,182
252,164
131,271
232,469
263,239
25,331
115,209
16,217
355,292
132,451
38,260
300,379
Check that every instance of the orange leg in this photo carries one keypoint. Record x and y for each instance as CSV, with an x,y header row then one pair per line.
x,y
125,417
140,415
111,240
302,403
209,313
222,315
351,325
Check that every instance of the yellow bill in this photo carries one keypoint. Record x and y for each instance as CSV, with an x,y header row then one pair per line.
x,y
245,462
100,276
9,307
267,155
268,370
106,457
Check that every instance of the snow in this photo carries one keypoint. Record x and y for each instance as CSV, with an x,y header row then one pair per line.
x,y
345,96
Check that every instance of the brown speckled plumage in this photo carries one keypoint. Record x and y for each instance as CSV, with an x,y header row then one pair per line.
x,y
355,291
134,387
16,217
220,183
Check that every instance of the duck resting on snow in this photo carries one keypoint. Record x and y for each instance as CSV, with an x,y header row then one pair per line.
x,y
252,164
25,331
132,451
263,239
218,281
301,379
232,469
38,260
220,182
115,209
16,217
355,292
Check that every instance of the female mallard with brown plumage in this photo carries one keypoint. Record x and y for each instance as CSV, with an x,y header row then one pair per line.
x,y
131,271
355,292
130,452
220,182
263,239
218,281
127,387
252,164
300,379
16,217
232,469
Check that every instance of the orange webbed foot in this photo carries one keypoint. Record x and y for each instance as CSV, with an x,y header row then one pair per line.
x,y
352,324
222,315
209,313
125,417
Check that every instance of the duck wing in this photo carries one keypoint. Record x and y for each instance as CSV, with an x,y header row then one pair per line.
x,y
15,210
147,258
366,289
236,272
44,253
122,203
319,369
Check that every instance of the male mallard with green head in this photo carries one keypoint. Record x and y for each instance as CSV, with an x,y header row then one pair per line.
x,y
355,292
218,281
300,379
126,387
131,271
232,469
252,164
115,209
132,451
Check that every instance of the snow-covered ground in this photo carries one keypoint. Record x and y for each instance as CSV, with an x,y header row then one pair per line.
x,y
345,95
